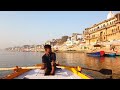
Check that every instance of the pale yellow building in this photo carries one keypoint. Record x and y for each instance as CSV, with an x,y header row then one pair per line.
x,y
107,30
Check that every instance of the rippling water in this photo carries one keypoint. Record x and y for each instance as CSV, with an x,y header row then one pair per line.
x,y
11,59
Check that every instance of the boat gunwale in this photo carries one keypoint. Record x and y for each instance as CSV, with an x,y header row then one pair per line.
x,y
70,68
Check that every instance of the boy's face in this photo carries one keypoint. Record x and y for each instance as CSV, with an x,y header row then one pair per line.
x,y
47,50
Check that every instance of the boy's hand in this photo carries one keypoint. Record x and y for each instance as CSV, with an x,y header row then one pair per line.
x,y
52,73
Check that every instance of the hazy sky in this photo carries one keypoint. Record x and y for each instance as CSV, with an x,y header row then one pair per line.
x,y
35,27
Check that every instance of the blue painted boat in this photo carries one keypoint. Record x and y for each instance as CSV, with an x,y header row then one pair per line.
x,y
110,54
96,54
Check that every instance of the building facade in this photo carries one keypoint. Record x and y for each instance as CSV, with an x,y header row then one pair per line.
x,y
107,30
75,39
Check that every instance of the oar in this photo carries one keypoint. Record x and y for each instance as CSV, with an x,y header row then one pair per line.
x,y
103,71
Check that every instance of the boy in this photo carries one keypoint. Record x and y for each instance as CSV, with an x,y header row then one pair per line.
x,y
48,61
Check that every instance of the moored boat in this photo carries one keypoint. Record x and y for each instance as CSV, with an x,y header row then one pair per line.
x,y
110,54
63,72
117,53
96,54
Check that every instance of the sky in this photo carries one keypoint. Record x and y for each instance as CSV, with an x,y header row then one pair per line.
x,y
18,28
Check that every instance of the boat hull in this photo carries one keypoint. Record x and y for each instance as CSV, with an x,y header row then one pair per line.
x,y
96,54
110,55
117,54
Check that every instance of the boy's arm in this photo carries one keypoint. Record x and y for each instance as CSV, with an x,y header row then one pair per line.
x,y
43,66
43,63
53,63
53,67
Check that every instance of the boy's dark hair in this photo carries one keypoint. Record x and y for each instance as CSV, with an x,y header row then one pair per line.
x,y
47,46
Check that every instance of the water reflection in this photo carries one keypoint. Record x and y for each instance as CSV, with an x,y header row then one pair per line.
x,y
97,63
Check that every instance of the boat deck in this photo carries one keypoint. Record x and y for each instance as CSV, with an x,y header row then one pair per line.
x,y
39,74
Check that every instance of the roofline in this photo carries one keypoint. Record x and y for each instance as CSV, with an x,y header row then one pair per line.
x,y
101,22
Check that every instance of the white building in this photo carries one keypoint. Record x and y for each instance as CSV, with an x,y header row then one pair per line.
x,y
74,39
79,36
110,15
69,42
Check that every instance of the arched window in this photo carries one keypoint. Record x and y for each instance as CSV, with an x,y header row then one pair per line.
x,y
98,27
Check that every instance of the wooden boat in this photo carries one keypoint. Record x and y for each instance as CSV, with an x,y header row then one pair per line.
x,y
117,53
110,54
64,72
96,54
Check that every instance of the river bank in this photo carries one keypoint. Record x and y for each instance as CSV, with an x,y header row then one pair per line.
x,y
70,51
75,49
87,49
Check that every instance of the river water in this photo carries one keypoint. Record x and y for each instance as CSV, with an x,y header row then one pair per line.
x,y
11,59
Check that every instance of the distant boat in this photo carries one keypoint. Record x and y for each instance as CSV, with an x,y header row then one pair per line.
x,y
110,54
96,54
117,54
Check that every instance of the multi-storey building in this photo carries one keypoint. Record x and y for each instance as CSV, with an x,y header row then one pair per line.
x,y
107,30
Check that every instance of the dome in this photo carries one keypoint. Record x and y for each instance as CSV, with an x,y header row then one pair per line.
x,y
110,15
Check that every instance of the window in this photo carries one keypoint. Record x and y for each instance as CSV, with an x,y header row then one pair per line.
x,y
112,22
93,36
112,30
104,37
104,25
